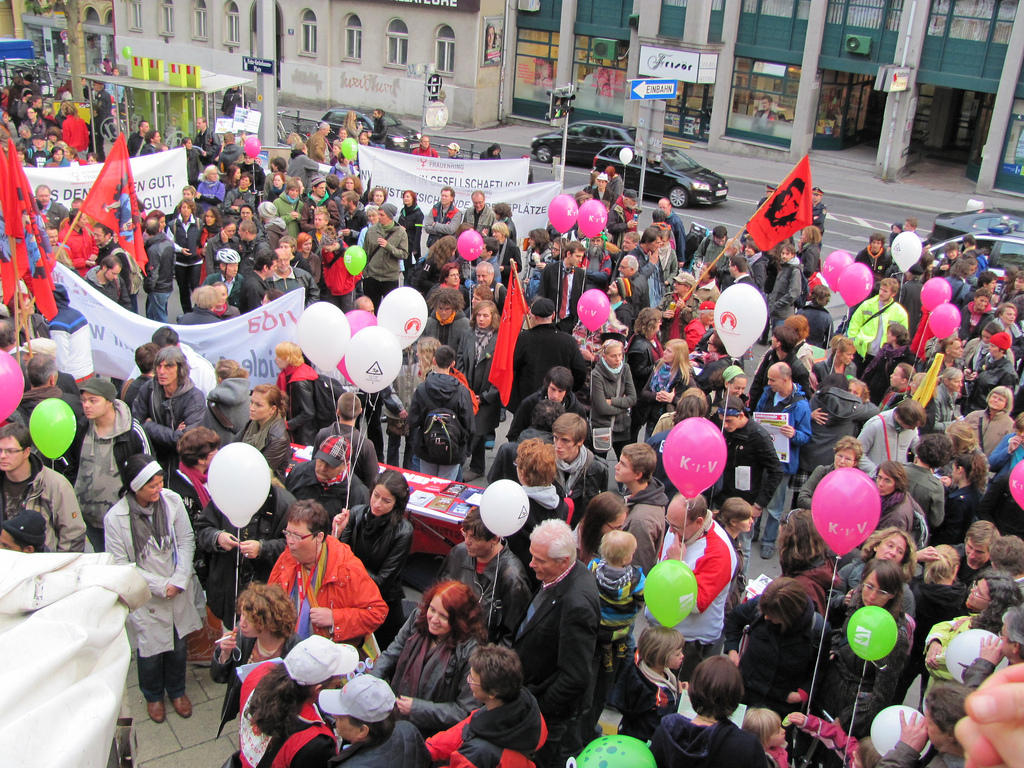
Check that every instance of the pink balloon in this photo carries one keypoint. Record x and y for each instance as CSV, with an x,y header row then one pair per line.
x,y
935,292
1017,483
845,508
593,218
593,307
834,265
252,146
471,245
944,321
359,319
855,284
562,213
12,385
694,456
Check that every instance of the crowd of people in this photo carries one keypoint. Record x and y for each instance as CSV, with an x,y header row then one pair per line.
x,y
523,640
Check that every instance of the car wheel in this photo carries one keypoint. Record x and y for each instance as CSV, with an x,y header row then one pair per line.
x,y
544,153
679,197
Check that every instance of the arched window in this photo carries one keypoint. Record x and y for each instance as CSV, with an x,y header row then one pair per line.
x,y
308,32
232,31
445,49
92,16
353,38
199,20
167,17
398,43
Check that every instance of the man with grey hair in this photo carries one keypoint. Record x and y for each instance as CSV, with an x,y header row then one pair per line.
x,y
481,216
316,148
1008,645
485,277
168,405
557,640
640,296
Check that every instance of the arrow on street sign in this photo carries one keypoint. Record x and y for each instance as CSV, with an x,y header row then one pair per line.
x,y
642,90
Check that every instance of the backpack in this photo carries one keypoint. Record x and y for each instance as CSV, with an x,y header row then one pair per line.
x,y
805,289
326,391
135,278
443,436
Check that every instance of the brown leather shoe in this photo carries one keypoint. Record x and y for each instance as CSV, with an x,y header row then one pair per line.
x,y
182,706
156,711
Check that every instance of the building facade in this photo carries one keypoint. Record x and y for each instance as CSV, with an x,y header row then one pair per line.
x,y
36,20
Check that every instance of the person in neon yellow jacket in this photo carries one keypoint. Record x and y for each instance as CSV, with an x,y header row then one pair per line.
x,y
871,319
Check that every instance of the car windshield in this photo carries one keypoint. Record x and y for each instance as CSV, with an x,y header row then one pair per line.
x,y
678,161
392,121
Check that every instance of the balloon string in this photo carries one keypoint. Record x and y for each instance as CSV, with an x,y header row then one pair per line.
x,y
238,567
853,716
824,629
354,449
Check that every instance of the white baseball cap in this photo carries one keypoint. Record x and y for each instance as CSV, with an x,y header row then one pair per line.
x,y
317,659
365,698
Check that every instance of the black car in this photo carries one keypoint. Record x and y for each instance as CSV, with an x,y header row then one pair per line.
x,y
675,175
585,139
998,221
400,136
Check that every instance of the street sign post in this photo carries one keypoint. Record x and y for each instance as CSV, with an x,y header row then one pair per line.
x,y
644,90
259,66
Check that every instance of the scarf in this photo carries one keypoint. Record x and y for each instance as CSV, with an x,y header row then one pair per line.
x,y
573,470
885,354
449,321
875,254
661,379
149,527
482,338
198,480
614,371
415,655
304,593
666,682
890,502
545,495
258,436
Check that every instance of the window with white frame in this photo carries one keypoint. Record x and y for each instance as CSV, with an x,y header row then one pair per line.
x,y
167,17
398,43
135,14
232,32
309,32
353,38
199,20
445,49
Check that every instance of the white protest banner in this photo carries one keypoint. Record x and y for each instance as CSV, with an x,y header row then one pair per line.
x,y
159,179
249,339
396,169
246,120
529,204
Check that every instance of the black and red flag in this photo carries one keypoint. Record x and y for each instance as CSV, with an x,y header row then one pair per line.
x,y
31,245
112,202
787,211
8,275
508,335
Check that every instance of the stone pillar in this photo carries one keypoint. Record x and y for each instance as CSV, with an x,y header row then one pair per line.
x,y
698,20
566,44
723,78
991,154
809,91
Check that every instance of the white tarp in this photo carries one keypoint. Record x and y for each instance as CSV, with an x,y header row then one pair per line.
x,y
159,179
249,339
397,169
66,656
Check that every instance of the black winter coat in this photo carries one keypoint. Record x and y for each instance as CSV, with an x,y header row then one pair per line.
x,y
160,417
820,321
160,268
439,390
477,373
303,484
524,413
751,447
641,359
383,546
404,748
998,506
641,703
301,412
538,350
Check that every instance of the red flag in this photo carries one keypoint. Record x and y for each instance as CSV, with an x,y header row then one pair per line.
x,y
508,334
8,275
788,210
32,246
113,203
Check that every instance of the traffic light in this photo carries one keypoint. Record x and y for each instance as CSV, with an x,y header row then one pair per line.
x,y
560,102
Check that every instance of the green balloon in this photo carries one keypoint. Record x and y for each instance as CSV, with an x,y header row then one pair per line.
x,y
670,592
616,752
126,52
355,260
350,148
52,427
872,632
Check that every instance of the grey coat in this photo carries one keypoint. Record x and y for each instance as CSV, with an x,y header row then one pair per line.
x,y
477,373
405,748
231,397
154,624
605,386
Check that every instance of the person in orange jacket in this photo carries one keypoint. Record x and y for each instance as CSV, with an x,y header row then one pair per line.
x,y
334,595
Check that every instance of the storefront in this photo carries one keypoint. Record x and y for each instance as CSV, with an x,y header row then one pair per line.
x,y
536,70
1010,175
49,37
763,101
843,104
688,116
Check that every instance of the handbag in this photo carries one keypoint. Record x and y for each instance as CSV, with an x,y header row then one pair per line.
x,y
602,435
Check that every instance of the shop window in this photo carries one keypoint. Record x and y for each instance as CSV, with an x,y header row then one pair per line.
x,y
167,17
135,15
353,38
763,100
233,30
199,20
783,8
600,83
445,50
398,43
309,41
536,69
973,20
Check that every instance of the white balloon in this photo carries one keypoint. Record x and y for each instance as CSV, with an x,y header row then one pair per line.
x,y
626,155
504,507
239,482
885,728
906,250
740,315
404,313
374,358
324,334
964,649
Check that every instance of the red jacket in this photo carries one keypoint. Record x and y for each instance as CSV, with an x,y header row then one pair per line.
x,y
80,247
75,133
347,590
425,153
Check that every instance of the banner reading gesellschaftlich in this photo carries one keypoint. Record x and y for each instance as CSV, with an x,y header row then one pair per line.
x,y
386,168
159,179
250,339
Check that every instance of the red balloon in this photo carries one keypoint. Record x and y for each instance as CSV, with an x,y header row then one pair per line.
x,y
855,284
845,508
944,321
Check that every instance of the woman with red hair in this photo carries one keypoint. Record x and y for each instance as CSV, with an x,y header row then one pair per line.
x,y
428,663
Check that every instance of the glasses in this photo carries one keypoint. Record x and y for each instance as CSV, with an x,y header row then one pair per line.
x,y
11,451
297,536
872,589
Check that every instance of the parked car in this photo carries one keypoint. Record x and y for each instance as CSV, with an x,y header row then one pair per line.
x,y
999,220
675,175
584,140
1003,251
400,136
